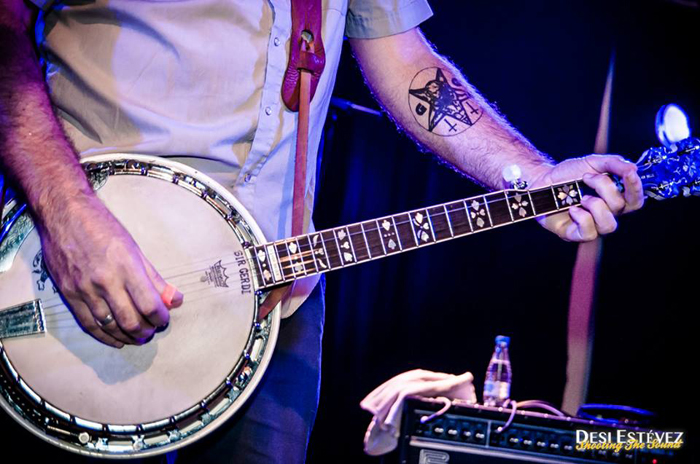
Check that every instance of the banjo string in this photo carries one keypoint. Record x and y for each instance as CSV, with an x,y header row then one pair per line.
x,y
62,313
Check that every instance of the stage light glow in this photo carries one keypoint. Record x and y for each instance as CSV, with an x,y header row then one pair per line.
x,y
672,124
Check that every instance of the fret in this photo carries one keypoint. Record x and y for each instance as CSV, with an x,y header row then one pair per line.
x,y
381,237
554,195
390,239
369,248
422,228
255,267
347,252
404,229
275,264
520,205
505,194
396,232
488,211
352,247
459,219
567,194
298,256
580,194
466,208
332,249
430,223
532,203
413,230
449,223
359,245
307,255
258,262
285,260
308,250
439,224
318,248
477,213
294,257
497,208
543,201
262,260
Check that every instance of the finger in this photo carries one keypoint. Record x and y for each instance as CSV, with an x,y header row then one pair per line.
x,y
612,164
174,298
582,228
87,321
604,219
100,311
129,319
147,300
634,192
607,190
556,223
171,297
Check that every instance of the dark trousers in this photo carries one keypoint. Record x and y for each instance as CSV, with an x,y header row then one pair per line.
x,y
275,424
272,427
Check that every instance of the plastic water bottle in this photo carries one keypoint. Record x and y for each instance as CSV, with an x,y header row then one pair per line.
x,y
498,374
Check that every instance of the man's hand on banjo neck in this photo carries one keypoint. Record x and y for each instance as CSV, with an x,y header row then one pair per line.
x,y
110,286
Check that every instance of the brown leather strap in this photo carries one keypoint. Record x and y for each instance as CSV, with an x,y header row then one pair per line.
x,y
306,50
302,148
307,58
273,298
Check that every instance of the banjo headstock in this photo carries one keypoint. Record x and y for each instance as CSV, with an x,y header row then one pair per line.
x,y
668,172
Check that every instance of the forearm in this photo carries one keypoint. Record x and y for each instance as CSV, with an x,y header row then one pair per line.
x,y
431,101
34,151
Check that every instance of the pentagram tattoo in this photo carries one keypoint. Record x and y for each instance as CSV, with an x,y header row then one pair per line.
x,y
440,103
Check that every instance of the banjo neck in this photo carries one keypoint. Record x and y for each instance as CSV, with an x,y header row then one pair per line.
x,y
283,261
665,172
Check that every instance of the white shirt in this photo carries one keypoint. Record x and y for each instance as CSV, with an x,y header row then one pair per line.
x,y
201,79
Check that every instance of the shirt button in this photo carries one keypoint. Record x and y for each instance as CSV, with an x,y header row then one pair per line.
x,y
247,178
277,41
268,110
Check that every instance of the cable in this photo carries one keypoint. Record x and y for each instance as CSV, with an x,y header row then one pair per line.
x,y
525,405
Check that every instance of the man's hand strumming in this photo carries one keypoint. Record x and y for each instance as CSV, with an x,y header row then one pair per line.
x,y
112,289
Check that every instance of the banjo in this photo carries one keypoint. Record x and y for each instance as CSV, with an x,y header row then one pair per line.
x,y
80,395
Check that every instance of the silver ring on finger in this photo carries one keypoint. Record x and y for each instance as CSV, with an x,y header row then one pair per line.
x,y
103,322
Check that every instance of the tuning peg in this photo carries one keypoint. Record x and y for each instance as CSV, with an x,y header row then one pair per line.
x,y
653,155
671,125
511,174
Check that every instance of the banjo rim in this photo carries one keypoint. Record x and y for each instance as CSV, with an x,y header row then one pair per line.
x,y
239,217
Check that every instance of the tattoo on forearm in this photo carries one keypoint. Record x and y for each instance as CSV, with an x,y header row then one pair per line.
x,y
441,104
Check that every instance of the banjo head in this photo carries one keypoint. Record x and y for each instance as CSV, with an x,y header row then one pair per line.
x,y
84,396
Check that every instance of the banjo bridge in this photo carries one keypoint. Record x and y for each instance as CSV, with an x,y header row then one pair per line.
x,y
22,319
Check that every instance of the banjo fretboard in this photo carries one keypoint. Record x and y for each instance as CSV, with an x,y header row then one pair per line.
x,y
284,261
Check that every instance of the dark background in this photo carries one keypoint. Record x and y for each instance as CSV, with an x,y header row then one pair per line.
x,y
544,64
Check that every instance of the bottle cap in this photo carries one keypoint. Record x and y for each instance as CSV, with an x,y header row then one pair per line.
x,y
502,339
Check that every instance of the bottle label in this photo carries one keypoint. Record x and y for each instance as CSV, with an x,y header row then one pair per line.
x,y
496,389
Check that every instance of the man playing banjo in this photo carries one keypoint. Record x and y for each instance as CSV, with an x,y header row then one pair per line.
x,y
200,81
